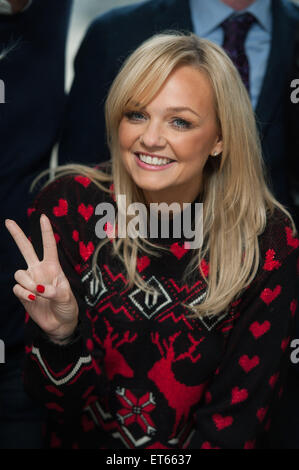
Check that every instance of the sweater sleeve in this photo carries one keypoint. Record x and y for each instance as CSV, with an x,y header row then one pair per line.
x,y
249,380
65,378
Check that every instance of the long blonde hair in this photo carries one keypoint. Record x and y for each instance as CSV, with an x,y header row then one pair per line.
x,y
236,198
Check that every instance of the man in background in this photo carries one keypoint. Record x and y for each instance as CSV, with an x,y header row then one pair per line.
x,y
33,34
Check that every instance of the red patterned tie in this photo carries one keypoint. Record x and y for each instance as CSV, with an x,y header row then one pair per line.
x,y
235,31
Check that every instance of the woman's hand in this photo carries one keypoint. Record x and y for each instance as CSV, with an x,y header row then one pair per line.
x,y
55,308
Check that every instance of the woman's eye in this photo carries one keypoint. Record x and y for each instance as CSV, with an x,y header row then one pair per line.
x,y
134,116
181,123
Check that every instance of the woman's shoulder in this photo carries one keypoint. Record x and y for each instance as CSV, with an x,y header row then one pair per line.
x,y
278,265
81,186
278,240
70,202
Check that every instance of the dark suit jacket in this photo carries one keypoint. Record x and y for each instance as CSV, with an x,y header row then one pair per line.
x,y
114,35
30,118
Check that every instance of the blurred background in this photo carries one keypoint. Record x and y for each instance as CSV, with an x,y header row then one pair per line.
x,y
84,11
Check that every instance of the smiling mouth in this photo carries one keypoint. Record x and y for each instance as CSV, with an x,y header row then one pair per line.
x,y
153,160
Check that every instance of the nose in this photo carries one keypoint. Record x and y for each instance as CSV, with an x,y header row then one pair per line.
x,y
152,136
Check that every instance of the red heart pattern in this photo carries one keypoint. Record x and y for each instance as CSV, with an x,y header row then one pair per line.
x,y
85,211
261,413
285,343
142,263
248,364
222,422
86,250
205,267
61,209
293,307
178,250
259,329
238,395
30,210
291,240
57,237
208,397
269,295
273,379
249,445
75,235
79,268
270,262
207,445
84,180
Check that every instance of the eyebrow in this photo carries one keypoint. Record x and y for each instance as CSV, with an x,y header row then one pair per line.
x,y
182,108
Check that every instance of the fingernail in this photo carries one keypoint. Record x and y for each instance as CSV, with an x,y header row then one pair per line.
x,y
40,288
31,297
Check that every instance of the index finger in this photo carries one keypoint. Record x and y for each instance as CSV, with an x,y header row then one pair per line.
x,y
49,242
25,246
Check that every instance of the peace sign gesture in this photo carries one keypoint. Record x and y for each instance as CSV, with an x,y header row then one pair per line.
x,y
43,288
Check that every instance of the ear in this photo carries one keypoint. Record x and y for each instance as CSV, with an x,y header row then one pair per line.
x,y
218,147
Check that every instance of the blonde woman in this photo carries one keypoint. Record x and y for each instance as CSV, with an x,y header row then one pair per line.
x,y
142,341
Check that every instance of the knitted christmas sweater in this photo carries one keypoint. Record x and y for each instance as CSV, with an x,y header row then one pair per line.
x,y
141,373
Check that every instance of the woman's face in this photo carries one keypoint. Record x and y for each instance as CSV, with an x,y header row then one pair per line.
x,y
165,145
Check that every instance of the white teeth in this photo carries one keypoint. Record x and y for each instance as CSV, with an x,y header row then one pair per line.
x,y
153,160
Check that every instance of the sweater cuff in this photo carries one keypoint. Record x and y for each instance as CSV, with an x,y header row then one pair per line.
x,y
60,355
75,336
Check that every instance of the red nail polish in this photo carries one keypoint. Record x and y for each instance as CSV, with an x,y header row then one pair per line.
x,y
40,288
31,297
